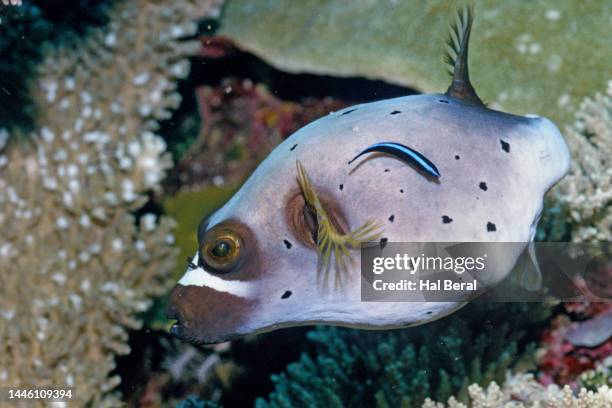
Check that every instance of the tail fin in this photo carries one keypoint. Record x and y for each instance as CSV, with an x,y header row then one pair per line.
x,y
457,57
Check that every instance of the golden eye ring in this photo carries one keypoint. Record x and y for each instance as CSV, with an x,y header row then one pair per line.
x,y
221,250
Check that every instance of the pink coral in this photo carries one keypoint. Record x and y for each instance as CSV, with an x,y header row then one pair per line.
x,y
563,356
241,123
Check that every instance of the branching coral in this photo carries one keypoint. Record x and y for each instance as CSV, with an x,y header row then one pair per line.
x,y
75,266
585,196
522,391
402,368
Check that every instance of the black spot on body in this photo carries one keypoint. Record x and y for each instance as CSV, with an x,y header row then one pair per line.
x,y
392,218
341,187
483,186
446,219
386,170
491,227
443,101
383,242
287,244
293,147
505,146
457,157
401,190
349,111
429,312
395,112
286,294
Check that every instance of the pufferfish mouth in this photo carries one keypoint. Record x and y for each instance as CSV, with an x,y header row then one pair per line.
x,y
180,330
177,328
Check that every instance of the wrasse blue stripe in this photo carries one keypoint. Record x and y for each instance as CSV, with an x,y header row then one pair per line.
x,y
404,153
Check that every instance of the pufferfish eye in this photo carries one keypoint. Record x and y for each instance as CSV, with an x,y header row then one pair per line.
x,y
221,249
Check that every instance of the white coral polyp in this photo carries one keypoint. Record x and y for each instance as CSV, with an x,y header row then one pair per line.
x,y
149,159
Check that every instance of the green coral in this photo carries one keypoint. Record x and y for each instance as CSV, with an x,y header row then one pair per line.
x,y
541,57
194,401
401,368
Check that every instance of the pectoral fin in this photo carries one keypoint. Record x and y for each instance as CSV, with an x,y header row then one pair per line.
x,y
530,275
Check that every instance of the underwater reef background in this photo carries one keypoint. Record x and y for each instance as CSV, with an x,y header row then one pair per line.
x,y
542,57
123,123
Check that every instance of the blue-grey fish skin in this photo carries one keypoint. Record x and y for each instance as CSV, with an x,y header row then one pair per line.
x,y
495,169
466,143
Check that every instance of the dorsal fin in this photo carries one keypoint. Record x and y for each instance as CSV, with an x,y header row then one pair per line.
x,y
457,57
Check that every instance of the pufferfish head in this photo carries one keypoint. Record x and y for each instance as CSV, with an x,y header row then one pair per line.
x,y
284,250
258,265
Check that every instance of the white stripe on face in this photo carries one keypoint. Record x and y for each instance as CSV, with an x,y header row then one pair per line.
x,y
200,277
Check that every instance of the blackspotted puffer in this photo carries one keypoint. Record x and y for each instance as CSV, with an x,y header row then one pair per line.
x,y
441,167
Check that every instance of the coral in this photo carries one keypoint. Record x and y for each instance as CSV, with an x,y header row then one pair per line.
x,y
522,391
188,363
588,305
592,332
586,193
183,370
11,2
403,367
563,356
196,402
524,58
241,123
599,376
579,339
75,263
25,32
